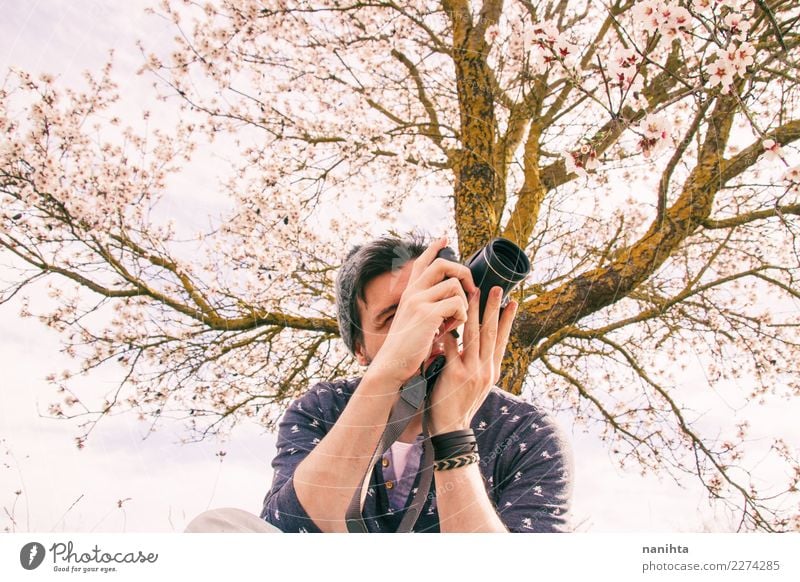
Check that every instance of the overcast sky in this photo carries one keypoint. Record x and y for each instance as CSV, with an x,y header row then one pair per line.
x,y
164,484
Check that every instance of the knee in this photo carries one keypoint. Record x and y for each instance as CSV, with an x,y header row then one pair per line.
x,y
229,520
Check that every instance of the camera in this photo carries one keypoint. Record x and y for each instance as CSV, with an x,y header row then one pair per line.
x,y
500,263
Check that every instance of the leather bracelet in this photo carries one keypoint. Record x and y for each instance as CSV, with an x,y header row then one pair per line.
x,y
452,452
454,438
453,434
453,441
455,463
454,444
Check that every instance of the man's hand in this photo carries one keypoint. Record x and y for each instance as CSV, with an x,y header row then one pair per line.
x,y
470,374
433,302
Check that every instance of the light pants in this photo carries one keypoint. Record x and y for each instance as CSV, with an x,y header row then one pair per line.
x,y
229,520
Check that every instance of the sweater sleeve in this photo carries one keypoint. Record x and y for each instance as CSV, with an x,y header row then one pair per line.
x,y
299,431
536,486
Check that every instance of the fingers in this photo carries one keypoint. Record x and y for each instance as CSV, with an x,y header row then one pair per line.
x,y
443,290
472,337
488,331
450,347
426,258
503,332
448,324
452,307
429,270
445,303
487,343
442,268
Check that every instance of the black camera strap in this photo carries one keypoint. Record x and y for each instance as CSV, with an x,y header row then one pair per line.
x,y
413,398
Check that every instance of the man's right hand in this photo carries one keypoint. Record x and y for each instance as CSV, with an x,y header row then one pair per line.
x,y
433,303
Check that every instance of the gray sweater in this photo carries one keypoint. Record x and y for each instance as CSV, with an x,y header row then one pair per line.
x,y
525,462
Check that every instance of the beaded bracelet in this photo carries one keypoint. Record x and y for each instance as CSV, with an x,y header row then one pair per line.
x,y
455,463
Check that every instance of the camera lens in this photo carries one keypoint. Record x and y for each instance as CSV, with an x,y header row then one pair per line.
x,y
502,264
507,260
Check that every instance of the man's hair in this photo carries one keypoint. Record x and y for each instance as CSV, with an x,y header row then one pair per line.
x,y
362,265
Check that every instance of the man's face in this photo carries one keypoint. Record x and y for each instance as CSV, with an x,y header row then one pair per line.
x,y
377,312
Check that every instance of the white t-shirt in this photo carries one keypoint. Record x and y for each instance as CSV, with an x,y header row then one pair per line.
x,y
400,457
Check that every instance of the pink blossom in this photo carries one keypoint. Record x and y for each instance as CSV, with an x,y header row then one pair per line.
x,y
542,34
655,127
721,73
492,33
670,19
714,5
622,67
639,102
739,58
585,159
572,165
743,56
736,23
655,134
549,46
772,150
646,13
675,21
792,176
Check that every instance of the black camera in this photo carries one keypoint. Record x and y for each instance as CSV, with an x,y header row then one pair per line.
x,y
500,263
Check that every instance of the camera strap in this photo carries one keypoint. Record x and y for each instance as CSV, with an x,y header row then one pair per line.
x,y
413,398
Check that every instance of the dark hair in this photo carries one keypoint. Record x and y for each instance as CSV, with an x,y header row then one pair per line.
x,y
362,265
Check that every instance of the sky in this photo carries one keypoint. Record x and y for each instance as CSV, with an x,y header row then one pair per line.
x,y
123,483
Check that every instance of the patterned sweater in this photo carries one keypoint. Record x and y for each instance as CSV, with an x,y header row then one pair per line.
x,y
525,463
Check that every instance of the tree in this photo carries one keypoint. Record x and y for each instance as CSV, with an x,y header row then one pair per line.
x,y
641,153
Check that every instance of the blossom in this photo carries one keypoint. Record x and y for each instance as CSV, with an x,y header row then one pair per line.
x,y
655,134
639,102
646,13
592,163
792,177
772,150
738,58
543,34
655,127
585,159
675,20
623,70
721,73
549,45
742,57
572,165
714,6
670,19
729,63
492,33
737,25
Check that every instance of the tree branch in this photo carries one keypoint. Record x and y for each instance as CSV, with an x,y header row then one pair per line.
x,y
743,219
433,117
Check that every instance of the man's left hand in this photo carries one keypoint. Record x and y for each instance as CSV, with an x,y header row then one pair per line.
x,y
470,373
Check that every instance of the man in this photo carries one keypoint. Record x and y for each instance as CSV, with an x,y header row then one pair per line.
x,y
397,304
